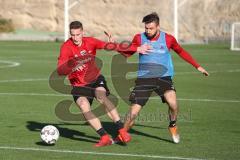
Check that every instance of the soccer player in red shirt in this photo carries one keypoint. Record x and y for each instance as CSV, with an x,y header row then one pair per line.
x,y
77,60
155,71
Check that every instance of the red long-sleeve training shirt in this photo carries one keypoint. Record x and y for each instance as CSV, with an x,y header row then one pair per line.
x,y
83,56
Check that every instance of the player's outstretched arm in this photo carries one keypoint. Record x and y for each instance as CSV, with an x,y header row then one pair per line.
x,y
185,55
203,71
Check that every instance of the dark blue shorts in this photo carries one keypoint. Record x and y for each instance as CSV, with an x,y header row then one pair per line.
x,y
145,86
88,90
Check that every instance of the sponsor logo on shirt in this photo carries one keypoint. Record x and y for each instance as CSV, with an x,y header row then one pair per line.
x,y
160,49
83,52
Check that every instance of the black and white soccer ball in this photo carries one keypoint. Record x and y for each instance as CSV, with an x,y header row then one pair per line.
x,y
49,134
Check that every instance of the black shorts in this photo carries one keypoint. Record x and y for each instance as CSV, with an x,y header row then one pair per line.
x,y
88,90
145,86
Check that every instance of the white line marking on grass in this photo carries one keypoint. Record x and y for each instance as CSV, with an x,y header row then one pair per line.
x,y
209,100
96,153
23,80
130,75
36,94
68,95
8,64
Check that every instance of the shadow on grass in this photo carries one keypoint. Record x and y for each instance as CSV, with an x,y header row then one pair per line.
x,y
148,126
133,131
40,143
64,132
110,127
113,131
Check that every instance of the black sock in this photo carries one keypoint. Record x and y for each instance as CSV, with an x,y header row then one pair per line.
x,y
119,124
101,132
172,124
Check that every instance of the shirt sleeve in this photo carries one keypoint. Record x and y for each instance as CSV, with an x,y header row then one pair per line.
x,y
173,44
98,43
124,48
132,47
64,66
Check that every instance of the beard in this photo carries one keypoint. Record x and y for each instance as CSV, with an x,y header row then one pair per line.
x,y
151,36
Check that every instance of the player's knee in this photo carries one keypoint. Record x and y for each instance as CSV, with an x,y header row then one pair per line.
x,y
101,98
100,95
81,102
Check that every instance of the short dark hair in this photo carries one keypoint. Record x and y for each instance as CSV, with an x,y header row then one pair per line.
x,y
152,17
75,25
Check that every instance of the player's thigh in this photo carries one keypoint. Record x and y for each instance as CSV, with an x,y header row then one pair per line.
x,y
100,91
101,85
100,94
84,105
165,85
140,95
135,109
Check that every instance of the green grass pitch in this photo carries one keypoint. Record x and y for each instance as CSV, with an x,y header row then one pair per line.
x,y
208,121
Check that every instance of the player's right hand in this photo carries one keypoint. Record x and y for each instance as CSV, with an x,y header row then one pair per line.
x,y
201,69
144,49
109,35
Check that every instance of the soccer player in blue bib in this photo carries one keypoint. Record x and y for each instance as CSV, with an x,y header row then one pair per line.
x,y
155,71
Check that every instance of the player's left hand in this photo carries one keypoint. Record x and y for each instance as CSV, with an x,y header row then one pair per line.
x,y
109,35
203,71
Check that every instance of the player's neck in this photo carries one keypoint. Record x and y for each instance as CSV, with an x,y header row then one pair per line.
x,y
157,35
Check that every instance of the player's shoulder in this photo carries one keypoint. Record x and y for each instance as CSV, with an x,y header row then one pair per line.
x,y
138,35
67,43
169,37
89,39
